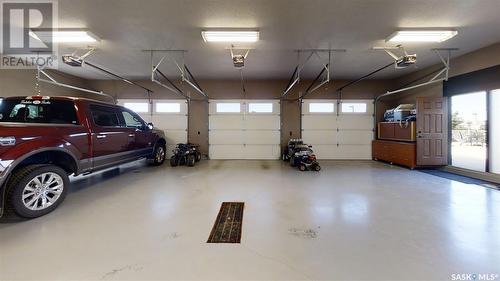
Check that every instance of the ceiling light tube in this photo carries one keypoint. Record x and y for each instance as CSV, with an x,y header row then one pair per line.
x,y
230,36
64,36
435,36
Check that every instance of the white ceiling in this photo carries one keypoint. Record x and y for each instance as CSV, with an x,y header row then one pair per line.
x,y
127,27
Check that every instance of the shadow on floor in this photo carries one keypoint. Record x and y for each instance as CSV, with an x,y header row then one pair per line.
x,y
81,183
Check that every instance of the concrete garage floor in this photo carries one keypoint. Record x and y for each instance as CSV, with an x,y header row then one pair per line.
x,y
353,220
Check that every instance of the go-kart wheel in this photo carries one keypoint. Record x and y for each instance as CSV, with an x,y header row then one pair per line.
x,y
174,162
191,159
302,167
317,168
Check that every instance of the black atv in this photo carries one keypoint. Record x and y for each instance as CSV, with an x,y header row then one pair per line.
x,y
185,154
293,146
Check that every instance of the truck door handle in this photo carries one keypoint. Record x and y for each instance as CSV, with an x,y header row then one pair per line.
x,y
131,135
101,136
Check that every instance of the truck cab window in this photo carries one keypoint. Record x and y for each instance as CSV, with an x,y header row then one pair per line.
x,y
132,121
104,116
38,111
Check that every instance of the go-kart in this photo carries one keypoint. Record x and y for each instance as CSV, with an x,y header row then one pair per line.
x,y
305,159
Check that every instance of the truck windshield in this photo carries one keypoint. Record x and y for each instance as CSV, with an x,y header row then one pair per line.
x,y
38,111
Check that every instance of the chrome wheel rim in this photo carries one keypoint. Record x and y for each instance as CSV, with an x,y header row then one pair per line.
x,y
42,191
160,154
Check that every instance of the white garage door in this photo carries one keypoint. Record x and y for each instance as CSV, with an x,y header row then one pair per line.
x,y
244,129
171,116
338,130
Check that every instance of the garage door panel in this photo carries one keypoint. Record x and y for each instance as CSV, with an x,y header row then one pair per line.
x,y
147,117
226,122
320,136
253,133
346,133
226,137
325,151
261,137
355,122
262,152
176,136
170,122
357,152
226,151
319,122
262,122
355,137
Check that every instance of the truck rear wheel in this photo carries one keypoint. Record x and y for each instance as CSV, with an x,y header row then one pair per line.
x,y
37,190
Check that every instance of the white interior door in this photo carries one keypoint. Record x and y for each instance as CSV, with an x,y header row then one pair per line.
x,y
171,116
338,130
244,129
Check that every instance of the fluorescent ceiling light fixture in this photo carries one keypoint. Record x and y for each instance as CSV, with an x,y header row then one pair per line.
x,y
231,36
421,36
64,36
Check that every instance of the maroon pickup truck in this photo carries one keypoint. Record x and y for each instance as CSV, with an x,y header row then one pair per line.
x,y
44,140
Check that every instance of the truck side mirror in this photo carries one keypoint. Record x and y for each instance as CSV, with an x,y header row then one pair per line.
x,y
150,126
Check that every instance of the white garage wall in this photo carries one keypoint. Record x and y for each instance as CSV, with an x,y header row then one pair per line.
x,y
338,134
245,134
174,124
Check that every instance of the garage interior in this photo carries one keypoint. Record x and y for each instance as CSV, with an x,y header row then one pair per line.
x,y
380,208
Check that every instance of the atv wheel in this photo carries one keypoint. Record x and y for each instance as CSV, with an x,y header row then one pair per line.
x,y
317,168
191,159
292,161
174,162
302,167
198,157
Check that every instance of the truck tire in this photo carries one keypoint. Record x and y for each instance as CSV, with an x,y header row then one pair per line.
x,y
37,190
191,159
159,155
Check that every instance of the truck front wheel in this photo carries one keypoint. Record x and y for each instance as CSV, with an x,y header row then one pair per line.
x,y
159,155
37,190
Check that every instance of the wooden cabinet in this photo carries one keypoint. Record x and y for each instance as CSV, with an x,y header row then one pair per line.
x,y
402,153
397,131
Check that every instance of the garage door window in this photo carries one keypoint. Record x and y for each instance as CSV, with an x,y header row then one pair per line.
x,y
139,107
228,107
323,107
354,107
260,108
168,107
